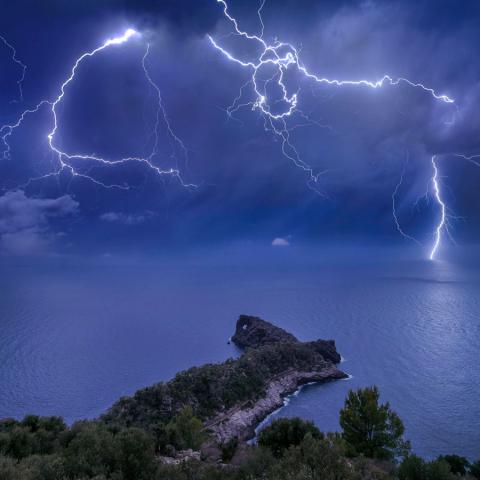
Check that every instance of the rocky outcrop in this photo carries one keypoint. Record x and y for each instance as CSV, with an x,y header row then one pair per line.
x,y
253,332
180,457
233,397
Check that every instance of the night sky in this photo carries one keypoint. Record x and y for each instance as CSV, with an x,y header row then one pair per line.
x,y
362,139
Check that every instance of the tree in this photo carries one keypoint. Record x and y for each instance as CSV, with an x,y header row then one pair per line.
x,y
458,465
91,451
314,459
475,469
415,468
186,430
285,432
228,449
370,428
412,468
439,470
136,454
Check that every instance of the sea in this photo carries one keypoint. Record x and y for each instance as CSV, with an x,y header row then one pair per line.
x,y
78,332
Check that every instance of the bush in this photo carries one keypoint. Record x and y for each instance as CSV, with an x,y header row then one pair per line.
x,y
136,454
186,431
228,449
314,458
414,468
370,428
91,451
458,465
286,432
475,470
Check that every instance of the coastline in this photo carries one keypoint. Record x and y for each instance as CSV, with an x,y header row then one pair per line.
x,y
232,399
286,401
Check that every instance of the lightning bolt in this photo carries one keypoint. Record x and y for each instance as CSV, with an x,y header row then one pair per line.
x,y
64,158
394,208
470,158
22,66
284,57
438,196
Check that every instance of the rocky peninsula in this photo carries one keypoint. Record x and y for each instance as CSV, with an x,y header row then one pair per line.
x,y
233,397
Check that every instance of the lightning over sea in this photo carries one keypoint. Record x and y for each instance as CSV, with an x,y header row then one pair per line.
x,y
168,166
281,113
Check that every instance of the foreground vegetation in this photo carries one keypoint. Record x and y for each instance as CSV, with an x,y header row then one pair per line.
x,y
370,446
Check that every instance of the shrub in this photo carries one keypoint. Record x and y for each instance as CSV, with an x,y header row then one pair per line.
x,y
286,432
458,465
185,430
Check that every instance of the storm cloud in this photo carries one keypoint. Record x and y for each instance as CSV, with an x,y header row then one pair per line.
x,y
25,222
360,139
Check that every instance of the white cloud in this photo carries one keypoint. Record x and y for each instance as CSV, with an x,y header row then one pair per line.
x,y
126,218
24,221
280,242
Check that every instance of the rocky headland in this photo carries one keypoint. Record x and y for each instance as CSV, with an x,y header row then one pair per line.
x,y
233,397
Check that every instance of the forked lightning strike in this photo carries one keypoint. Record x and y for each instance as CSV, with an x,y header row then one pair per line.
x,y
438,197
22,66
394,205
64,157
283,57
281,114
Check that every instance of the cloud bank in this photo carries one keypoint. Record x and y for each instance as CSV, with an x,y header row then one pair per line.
x,y
25,222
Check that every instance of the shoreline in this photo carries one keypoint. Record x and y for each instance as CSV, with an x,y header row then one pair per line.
x,y
286,401
233,399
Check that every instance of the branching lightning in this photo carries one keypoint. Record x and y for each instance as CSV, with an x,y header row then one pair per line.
x,y
284,57
438,197
22,66
470,158
394,207
65,158
280,111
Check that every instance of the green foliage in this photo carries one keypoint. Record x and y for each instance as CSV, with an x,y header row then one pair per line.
x,y
286,432
412,468
136,455
415,468
8,469
228,449
90,451
39,448
185,430
213,388
458,465
314,459
475,469
439,470
33,435
370,428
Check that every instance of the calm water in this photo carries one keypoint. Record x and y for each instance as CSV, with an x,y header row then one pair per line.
x,y
75,337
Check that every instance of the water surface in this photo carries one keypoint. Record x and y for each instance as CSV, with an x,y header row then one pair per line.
x,y
78,335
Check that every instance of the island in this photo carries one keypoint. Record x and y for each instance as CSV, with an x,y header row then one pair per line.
x,y
233,397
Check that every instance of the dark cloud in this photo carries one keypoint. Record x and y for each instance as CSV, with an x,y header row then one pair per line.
x,y
25,222
246,186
